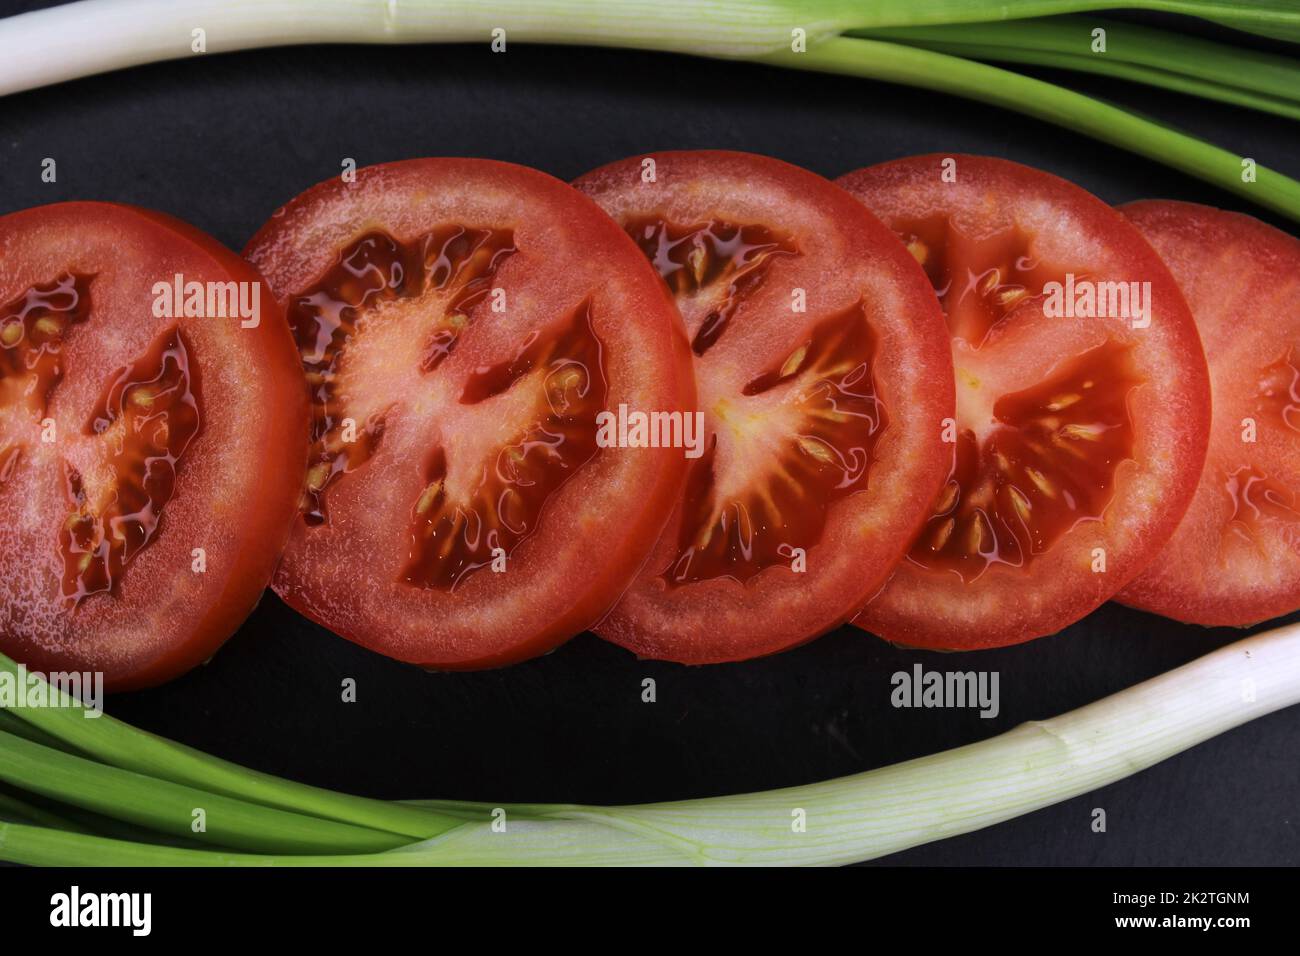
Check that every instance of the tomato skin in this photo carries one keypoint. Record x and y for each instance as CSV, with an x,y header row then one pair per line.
x,y
1009,605
1241,279
579,560
178,627
847,255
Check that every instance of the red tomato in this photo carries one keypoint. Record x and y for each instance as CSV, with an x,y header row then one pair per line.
x,y
1235,558
1082,402
466,326
149,462
823,373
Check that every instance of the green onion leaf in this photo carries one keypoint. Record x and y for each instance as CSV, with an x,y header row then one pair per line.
x,y
896,63
854,818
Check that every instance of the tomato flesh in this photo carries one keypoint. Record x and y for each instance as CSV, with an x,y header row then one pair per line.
x,y
453,537
824,395
822,370
1048,463
1235,558
465,326
1082,402
718,254
375,268
148,416
150,458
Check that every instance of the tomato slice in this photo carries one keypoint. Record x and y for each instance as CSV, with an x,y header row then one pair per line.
x,y
823,370
1082,402
465,327
151,444
1235,558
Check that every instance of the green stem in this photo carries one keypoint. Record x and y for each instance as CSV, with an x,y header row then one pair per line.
x,y
94,36
11,724
16,809
977,81
1172,61
1177,82
120,745
173,808
854,818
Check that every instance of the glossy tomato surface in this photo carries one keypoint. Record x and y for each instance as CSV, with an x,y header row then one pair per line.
x,y
150,454
465,327
1235,558
823,374
1082,401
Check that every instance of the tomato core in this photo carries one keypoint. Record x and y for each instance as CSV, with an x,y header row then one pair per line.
x,y
372,269
814,420
1040,460
1048,464
562,384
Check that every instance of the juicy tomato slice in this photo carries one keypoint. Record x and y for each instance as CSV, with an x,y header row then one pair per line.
x,y
1082,402
1235,558
823,372
151,444
465,327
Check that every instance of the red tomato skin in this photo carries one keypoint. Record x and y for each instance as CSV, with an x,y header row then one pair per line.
x,y
720,621
597,567
1239,275
1007,606
280,453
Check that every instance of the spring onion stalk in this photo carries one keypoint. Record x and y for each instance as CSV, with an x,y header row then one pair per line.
x,y
1177,82
12,724
854,818
119,745
1125,42
174,808
1141,54
94,36
17,810
19,807
912,66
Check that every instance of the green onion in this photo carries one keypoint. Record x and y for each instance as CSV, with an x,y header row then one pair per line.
x,y
173,808
1110,124
854,818
1176,62
119,745
17,810
94,36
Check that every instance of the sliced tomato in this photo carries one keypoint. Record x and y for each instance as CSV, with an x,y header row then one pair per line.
x,y
150,453
823,371
1082,402
465,327
1235,558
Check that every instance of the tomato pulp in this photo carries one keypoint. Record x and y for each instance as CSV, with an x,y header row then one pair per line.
x,y
1235,558
467,329
1082,401
151,441
823,374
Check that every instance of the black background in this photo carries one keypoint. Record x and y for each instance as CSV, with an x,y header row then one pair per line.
x,y
223,140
